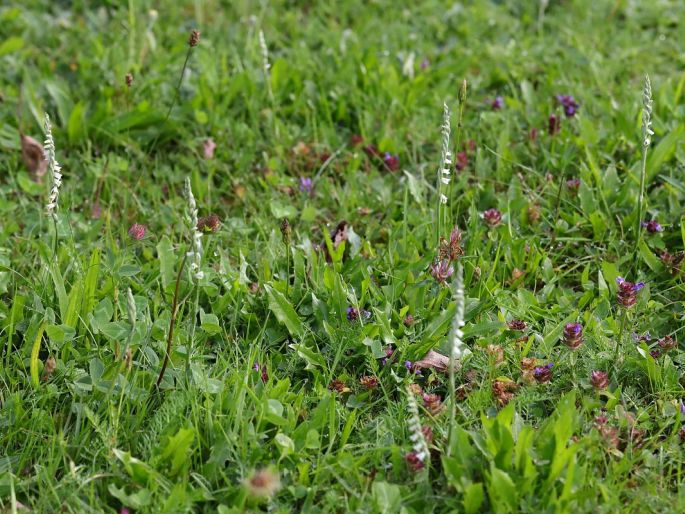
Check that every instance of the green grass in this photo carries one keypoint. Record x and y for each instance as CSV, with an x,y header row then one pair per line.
x,y
96,435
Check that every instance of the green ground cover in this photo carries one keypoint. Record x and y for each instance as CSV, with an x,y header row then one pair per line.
x,y
240,301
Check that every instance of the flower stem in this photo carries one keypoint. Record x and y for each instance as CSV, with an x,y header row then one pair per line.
x,y
172,322
624,318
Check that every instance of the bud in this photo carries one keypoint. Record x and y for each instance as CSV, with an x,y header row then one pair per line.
x,y
462,92
286,230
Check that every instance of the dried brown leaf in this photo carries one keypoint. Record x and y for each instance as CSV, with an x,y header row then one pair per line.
x,y
34,158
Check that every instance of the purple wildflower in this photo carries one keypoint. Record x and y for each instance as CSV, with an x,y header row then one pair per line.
x,y
391,161
599,379
627,292
441,270
492,217
569,104
638,338
543,374
652,226
354,314
462,161
306,185
573,335
682,408
497,103
425,63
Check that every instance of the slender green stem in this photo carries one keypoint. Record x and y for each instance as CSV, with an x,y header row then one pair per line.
x,y
287,270
178,86
172,322
189,346
624,317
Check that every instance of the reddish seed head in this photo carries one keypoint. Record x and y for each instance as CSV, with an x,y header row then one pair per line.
x,y
356,140
369,382
667,343
408,320
432,403
137,231
194,38
599,379
516,324
208,224
573,185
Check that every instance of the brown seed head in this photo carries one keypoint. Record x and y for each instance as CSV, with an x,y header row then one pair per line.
x,y
194,38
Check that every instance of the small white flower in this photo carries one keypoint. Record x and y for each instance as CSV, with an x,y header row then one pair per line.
x,y
54,168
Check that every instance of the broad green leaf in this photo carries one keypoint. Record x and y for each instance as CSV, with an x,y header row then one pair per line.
x,y
284,311
35,350
178,449
167,260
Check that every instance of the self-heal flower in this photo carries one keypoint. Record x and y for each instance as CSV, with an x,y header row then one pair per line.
x,y
391,161
599,379
569,104
573,335
573,185
137,231
543,374
497,103
627,292
652,226
492,217
667,343
306,185
354,314
441,270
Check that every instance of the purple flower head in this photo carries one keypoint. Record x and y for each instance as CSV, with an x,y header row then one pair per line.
x,y
627,292
573,335
425,63
652,226
492,217
408,364
656,353
497,103
306,185
391,161
682,407
543,374
599,379
573,184
441,270
354,314
569,104
638,338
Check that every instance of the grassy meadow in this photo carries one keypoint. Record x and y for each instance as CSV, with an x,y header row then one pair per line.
x,y
334,256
